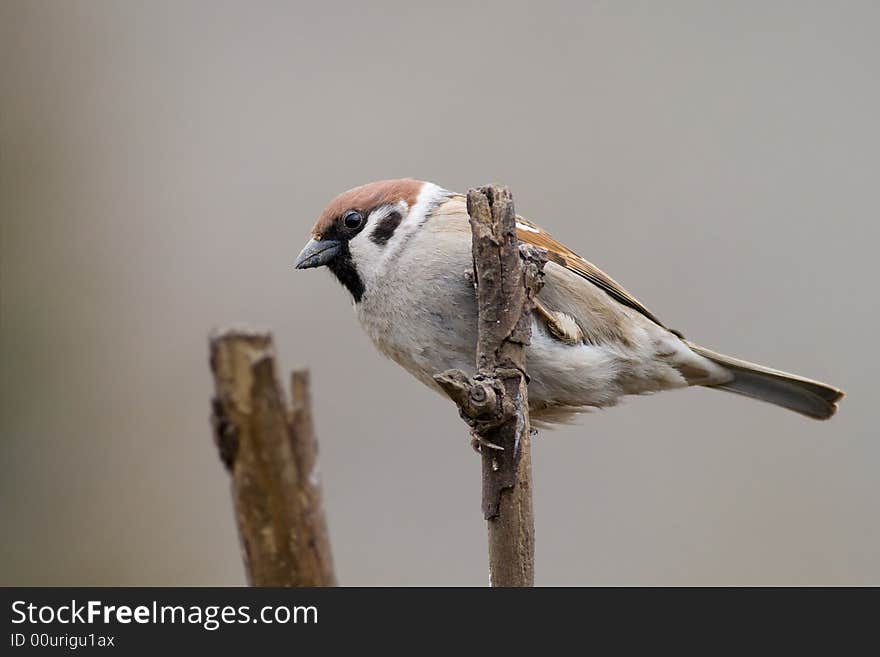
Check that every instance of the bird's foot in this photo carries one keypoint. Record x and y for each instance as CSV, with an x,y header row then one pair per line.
x,y
478,443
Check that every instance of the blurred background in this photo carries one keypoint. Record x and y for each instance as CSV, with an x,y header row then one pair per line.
x,y
161,165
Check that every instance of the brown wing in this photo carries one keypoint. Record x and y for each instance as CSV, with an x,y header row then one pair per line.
x,y
560,254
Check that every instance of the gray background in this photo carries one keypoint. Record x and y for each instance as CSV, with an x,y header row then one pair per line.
x,y
162,164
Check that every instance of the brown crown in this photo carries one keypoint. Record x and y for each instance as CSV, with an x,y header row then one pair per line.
x,y
366,198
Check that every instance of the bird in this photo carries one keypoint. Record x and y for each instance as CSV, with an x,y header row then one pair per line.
x,y
402,249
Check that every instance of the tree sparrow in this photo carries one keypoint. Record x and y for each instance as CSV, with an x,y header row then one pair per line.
x,y
402,248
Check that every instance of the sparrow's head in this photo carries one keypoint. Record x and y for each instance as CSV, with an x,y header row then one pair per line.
x,y
364,226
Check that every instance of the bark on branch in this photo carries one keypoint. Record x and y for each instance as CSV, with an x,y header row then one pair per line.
x,y
270,451
494,402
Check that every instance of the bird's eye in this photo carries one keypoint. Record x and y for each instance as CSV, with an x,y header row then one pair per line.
x,y
353,219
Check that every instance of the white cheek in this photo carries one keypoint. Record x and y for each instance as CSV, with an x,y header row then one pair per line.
x,y
366,256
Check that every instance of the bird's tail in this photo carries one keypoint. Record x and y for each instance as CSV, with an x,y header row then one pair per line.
x,y
811,398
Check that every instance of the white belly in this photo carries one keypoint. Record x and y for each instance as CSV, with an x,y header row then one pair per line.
x,y
439,333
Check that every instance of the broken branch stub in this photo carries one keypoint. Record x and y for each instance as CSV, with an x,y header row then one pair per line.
x,y
270,452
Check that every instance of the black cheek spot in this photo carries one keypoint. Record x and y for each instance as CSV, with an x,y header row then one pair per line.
x,y
385,228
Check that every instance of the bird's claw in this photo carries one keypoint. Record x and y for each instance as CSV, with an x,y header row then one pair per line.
x,y
478,443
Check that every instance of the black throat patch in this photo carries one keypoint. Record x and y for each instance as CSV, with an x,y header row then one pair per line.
x,y
346,273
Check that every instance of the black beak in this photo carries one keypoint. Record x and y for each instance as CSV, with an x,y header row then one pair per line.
x,y
317,253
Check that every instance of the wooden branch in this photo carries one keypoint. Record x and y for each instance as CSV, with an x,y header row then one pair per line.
x,y
494,402
270,452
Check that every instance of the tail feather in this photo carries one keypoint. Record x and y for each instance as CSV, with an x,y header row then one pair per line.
x,y
811,398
